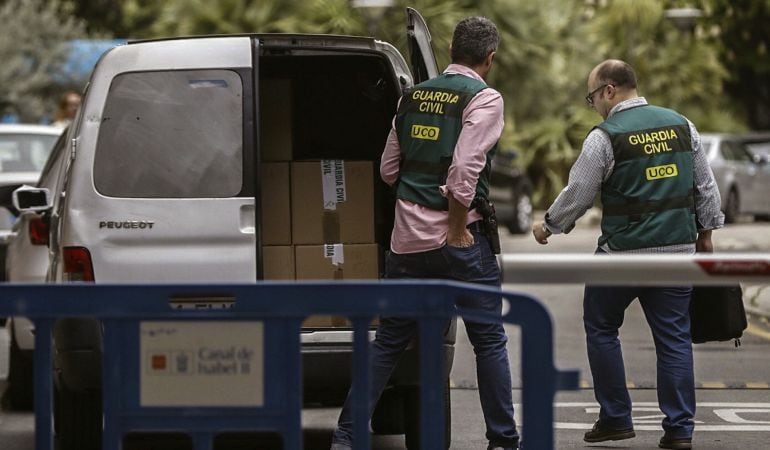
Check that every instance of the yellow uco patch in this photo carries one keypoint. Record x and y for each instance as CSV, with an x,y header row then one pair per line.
x,y
425,132
658,172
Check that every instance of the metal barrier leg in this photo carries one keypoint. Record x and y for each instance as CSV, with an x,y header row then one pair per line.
x,y
432,384
202,441
292,433
112,435
43,385
362,380
539,376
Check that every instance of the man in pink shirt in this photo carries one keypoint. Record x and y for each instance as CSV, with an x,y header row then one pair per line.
x,y
438,157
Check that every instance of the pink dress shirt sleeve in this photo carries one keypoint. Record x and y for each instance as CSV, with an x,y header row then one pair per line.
x,y
482,128
391,158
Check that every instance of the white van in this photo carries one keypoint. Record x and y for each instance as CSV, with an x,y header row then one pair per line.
x,y
164,182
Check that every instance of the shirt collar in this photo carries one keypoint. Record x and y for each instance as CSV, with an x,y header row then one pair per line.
x,y
463,70
626,104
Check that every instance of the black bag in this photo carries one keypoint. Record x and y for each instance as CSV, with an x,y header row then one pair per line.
x,y
717,314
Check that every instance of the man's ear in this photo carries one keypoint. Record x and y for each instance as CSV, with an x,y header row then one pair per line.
x,y
611,91
490,58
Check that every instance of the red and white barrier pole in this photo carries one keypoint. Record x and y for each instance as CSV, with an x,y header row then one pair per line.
x,y
637,269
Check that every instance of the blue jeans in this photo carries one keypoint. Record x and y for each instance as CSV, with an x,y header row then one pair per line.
x,y
473,264
667,313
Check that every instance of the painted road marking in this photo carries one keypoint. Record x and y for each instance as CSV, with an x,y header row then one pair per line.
x,y
756,331
712,416
713,385
586,384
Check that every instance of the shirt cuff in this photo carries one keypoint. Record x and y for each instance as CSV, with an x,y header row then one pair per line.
x,y
555,229
462,193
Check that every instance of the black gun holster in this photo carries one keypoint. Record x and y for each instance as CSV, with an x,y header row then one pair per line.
x,y
489,221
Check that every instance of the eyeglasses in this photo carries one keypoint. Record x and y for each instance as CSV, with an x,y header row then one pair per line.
x,y
590,96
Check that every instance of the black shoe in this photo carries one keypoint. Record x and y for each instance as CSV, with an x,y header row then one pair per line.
x,y
676,443
600,433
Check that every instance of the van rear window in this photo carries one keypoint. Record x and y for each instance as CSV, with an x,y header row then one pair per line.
x,y
172,134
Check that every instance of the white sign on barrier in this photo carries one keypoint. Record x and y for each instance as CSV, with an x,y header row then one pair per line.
x,y
201,363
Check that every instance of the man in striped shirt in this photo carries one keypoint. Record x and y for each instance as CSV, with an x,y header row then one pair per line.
x,y
658,196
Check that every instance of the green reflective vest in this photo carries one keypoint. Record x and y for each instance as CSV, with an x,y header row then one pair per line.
x,y
428,124
647,201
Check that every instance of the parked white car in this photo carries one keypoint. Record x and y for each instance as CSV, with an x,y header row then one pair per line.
x,y
26,261
163,169
742,172
24,149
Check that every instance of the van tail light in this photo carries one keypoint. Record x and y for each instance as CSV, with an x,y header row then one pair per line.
x,y
38,231
77,264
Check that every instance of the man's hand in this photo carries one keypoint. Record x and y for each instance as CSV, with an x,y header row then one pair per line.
x,y
462,240
703,244
458,235
540,232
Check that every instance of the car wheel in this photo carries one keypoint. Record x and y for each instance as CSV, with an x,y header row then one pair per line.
x,y
398,412
78,419
732,206
19,392
521,219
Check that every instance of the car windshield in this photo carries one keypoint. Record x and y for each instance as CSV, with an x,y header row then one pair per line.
x,y
25,152
759,148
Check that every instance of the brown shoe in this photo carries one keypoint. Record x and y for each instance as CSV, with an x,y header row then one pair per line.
x,y
600,433
676,443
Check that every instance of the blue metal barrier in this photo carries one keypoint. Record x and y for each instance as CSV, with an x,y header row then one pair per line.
x,y
281,308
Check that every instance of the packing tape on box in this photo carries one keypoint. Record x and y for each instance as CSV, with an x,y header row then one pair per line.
x,y
334,192
333,181
331,226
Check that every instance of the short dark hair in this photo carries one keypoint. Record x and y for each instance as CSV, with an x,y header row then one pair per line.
x,y
617,73
473,40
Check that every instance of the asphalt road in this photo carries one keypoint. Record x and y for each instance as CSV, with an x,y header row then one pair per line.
x,y
733,383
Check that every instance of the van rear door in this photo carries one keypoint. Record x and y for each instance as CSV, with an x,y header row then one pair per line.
x,y
421,55
163,185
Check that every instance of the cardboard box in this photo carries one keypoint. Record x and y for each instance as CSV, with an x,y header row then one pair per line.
x,y
335,262
278,262
275,103
332,202
275,209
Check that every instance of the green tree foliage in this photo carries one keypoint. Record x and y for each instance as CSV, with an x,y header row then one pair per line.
x,y
176,18
742,32
675,68
548,47
102,17
33,46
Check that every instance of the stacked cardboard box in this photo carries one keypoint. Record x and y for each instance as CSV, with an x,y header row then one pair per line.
x,y
276,155
317,216
332,214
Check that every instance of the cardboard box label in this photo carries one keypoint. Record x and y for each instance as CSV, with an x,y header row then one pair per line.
x,y
333,181
334,252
